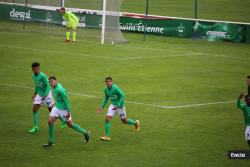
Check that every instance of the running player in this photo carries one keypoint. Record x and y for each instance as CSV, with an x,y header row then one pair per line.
x,y
117,105
61,110
42,95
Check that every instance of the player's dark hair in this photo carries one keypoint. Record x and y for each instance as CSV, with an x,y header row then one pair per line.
x,y
248,77
63,8
246,97
108,78
35,64
52,77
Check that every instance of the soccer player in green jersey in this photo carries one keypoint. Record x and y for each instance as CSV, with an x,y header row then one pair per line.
x,y
61,110
72,22
42,94
246,113
117,105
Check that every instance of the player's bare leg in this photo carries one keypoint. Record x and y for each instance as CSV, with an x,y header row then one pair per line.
x,y
77,128
63,125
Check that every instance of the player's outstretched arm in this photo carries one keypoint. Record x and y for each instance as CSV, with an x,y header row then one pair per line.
x,y
105,100
239,104
241,95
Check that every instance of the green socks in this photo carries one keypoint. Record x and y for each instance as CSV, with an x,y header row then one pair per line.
x,y
73,36
131,122
67,35
35,115
79,129
63,122
51,133
107,128
75,127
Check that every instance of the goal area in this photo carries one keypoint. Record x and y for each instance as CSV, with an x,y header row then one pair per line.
x,y
97,18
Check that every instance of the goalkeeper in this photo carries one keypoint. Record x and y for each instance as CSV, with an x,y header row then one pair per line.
x,y
72,22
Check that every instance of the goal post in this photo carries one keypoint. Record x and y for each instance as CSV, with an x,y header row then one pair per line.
x,y
110,31
103,21
62,3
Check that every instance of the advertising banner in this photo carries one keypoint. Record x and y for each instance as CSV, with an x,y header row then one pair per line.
x,y
30,14
159,26
220,31
248,34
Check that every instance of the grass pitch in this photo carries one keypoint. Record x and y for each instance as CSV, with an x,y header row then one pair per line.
x,y
181,90
167,81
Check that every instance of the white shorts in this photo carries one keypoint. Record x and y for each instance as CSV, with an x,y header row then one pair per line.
x,y
247,133
120,111
48,101
64,114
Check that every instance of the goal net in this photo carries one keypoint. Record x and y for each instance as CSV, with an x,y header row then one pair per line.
x,y
111,22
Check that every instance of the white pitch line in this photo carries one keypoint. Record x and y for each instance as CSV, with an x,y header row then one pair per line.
x,y
183,106
138,103
159,49
121,58
59,52
121,45
148,57
92,56
26,87
144,48
17,86
180,51
85,95
152,57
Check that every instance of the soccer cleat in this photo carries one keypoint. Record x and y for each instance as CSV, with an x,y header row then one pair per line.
x,y
105,138
86,137
33,130
49,144
137,125
66,40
